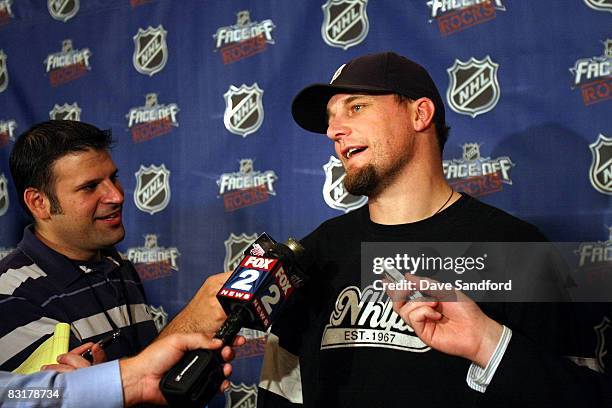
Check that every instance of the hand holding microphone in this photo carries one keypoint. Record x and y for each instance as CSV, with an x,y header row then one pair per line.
x,y
252,297
448,321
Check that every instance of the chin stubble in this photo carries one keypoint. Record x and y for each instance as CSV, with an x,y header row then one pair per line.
x,y
369,181
362,182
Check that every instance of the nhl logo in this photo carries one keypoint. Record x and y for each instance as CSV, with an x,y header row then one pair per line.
x,y
241,396
65,112
471,151
235,246
244,112
151,100
334,193
603,343
243,18
5,11
150,50
345,23
63,10
600,5
246,166
3,72
473,88
152,193
4,196
608,48
160,317
67,46
150,241
600,172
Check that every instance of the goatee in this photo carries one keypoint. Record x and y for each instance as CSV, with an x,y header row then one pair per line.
x,y
362,182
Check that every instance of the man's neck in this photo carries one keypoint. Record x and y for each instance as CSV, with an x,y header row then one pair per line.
x,y
69,252
418,193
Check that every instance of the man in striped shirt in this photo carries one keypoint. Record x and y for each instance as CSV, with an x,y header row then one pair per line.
x,y
66,269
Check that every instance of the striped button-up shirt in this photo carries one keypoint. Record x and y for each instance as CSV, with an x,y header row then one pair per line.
x,y
40,287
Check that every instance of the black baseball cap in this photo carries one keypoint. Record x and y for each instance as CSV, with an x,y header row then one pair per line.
x,y
384,73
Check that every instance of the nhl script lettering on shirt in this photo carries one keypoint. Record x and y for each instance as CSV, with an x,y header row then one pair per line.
x,y
367,319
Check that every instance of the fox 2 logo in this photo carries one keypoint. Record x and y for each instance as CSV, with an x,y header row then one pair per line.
x,y
267,282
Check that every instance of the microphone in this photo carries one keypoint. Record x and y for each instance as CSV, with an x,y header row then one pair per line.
x,y
252,297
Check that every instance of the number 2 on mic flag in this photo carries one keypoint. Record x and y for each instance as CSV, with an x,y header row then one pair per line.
x,y
261,285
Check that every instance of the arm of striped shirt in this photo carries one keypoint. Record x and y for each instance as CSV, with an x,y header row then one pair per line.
x,y
479,378
280,384
98,386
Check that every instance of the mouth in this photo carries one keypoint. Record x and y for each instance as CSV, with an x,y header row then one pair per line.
x,y
353,151
112,218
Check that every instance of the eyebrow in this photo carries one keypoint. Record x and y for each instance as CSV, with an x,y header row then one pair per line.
x,y
347,101
96,180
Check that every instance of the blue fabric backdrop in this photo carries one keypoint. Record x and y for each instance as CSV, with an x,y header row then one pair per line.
x,y
197,94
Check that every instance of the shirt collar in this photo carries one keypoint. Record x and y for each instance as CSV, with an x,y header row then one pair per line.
x,y
58,267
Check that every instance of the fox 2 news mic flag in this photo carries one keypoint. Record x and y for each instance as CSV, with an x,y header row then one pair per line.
x,y
198,94
251,297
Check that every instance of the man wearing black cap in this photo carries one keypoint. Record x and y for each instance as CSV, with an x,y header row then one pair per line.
x,y
339,343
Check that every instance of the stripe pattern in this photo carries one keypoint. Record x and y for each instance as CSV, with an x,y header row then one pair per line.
x,y
40,288
479,378
280,373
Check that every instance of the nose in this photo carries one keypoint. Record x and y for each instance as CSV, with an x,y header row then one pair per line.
x,y
337,128
113,193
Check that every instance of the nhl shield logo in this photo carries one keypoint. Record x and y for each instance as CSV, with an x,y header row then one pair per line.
x,y
244,112
604,341
345,22
150,50
334,193
246,166
243,18
63,10
241,396
4,196
65,112
600,5
150,241
3,72
473,88
608,48
235,245
471,151
152,193
159,315
600,172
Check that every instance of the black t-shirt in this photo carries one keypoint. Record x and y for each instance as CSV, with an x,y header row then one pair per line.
x,y
354,351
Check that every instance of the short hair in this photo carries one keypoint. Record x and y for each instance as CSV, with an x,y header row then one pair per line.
x,y
38,148
442,128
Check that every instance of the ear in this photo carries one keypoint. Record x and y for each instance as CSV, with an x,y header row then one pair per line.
x,y
38,203
424,110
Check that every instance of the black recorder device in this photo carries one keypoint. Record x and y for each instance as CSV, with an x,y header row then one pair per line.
x,y
252,297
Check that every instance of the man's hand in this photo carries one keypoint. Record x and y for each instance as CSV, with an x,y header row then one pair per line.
x,y
457,327
72,360
140,375
203,313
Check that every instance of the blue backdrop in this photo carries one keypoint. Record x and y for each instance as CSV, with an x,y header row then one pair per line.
x,y
198,93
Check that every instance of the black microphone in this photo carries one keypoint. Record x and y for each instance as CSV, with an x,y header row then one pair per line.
x,y
252,298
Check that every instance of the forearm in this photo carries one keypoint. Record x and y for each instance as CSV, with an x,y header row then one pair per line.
x,y
184,322
98,386
491,334
132,382
545,380
480,376
203,314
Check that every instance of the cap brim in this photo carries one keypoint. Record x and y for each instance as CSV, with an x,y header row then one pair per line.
x,y
309,107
